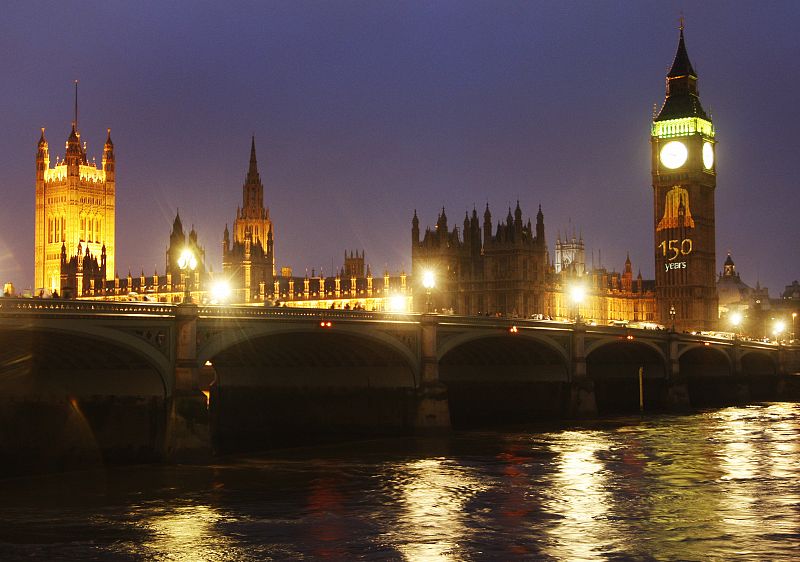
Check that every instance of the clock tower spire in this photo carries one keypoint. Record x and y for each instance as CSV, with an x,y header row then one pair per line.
x,y
682,139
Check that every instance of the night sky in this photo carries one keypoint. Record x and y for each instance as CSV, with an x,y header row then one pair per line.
x,y
365,111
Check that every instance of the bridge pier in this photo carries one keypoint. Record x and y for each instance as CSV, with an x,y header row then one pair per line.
x,y
188,436
583,401
742,380
433,411
677,386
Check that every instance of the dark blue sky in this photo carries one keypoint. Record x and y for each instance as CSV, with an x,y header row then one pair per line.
x,y
365,111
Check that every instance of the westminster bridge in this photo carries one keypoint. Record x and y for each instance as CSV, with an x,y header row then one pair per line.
x,y
139,381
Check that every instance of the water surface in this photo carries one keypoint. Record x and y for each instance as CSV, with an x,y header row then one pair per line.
x,y
714,485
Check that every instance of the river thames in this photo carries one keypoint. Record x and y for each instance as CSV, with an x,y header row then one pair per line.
x,y
713,485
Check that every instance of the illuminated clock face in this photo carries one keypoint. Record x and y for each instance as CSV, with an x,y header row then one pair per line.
x,y
674,154
708,155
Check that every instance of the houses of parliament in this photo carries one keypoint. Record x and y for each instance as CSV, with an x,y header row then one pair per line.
x,y
487,266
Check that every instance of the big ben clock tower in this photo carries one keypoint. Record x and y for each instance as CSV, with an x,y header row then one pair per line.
x,y
684,180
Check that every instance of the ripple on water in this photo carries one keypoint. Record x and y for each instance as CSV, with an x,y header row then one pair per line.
x,y
715,485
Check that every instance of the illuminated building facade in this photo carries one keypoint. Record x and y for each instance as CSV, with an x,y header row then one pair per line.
x,y
248,260
684,182
179,242
85,277
485,271
610,296
507,272
351,288
570,254
75,211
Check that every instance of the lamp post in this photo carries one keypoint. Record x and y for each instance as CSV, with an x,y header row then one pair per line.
x,y
778,329
736,320
672,316
794,317
187,264
429,282
577,294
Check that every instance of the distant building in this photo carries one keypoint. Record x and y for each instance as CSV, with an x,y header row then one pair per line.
x,y
352,287
507,271
248,259
485,270
734,294
75,212
570,254
609,296
84,277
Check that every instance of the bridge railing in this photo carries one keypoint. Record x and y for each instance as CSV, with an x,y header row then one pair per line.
x,y
34,306
217,311
19,307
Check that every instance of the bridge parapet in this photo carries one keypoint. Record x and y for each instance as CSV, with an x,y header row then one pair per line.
x,y
40,307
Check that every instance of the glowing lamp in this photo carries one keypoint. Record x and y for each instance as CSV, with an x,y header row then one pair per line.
x,y
187,263
736,318
187,260
577,293
220,291
428,279
397,303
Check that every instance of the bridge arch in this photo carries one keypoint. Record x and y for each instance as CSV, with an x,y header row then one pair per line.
x,y
282,384
758,363
83,396
760,369
710,375
60,347
228,339
613,365
598,343
700,360
463,339
496,377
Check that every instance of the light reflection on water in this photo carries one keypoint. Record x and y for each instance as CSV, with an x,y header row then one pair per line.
x,y
433,495
716,485
581,499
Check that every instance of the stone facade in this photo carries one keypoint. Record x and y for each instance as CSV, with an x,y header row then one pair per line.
x,y
482,270
248,259
684,182
75,210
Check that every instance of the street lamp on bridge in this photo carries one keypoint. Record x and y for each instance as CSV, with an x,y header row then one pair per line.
x,y
187,263
778,329
429,282
736,321
578,294
672,312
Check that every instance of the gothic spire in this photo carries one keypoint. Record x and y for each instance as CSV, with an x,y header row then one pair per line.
x,y
177,226
681,66
252,172
75,120
683,99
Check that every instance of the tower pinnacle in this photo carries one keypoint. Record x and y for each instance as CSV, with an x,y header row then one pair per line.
x,y
683,99
75,120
